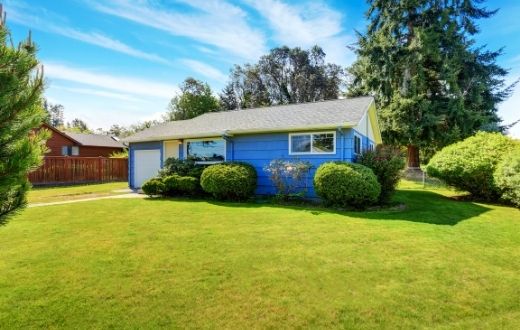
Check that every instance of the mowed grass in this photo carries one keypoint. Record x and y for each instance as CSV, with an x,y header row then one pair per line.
x,y
62,193
197,264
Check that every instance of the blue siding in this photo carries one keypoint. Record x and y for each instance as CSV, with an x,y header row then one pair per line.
x,y
259,149
140,146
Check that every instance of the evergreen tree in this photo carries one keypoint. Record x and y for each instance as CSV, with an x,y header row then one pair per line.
x,y
78,126
54,114
195,99
21,148
433,85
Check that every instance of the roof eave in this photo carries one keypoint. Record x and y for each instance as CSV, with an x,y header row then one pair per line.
x,y
242,132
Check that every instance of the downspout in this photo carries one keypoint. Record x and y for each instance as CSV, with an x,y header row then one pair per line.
x,y
340,131
228,138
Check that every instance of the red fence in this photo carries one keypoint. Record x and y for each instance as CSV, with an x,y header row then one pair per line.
x,y
72,170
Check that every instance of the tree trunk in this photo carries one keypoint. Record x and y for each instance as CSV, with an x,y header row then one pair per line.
x,y
413,157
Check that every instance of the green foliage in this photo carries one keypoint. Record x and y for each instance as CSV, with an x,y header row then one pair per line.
x,y
195,99
78,126
469,165
154,187
289,177
346,185
180,185
182,167
54,114
507,176
119,154
231,181
432,85
285,75
387,163
21,149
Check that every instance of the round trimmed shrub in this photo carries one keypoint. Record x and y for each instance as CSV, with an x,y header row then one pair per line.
x,y
188,185
153,187
346,185
469,165
180,185
231,181
507,177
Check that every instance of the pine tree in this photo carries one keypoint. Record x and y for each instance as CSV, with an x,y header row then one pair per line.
x,y
21,87
432,84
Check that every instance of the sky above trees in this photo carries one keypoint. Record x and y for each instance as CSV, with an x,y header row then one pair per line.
x,y
118,61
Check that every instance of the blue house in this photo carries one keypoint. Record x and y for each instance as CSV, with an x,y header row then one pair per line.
x,y
316,132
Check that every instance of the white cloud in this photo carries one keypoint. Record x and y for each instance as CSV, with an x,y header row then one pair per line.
x,y
43,21
216,23
305,25
205,70
129,85
97,92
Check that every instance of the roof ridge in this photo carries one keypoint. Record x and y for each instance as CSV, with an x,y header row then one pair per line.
x,y
281,105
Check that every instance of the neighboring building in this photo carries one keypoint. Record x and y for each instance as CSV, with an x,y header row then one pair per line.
x,y
317,132
80,145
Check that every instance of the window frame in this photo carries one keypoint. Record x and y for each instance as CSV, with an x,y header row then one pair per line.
x,y
360,144
202,162
311,152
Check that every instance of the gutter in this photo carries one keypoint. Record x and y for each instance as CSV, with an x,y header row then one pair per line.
x,y
229,133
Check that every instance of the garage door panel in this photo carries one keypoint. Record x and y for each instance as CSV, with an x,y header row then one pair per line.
x,y
147,164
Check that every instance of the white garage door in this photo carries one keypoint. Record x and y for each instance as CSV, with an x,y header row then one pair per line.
x,y
146,165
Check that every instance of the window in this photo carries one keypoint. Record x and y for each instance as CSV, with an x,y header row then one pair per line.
x,y
75,151
65,151
357,144
312,143
371,146
206,151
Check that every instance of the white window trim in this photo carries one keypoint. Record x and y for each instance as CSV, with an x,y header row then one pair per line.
x,y
72,153
185,150
360,144
311,152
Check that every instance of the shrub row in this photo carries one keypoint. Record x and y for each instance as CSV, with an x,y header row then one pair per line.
x,y
486,165
227,181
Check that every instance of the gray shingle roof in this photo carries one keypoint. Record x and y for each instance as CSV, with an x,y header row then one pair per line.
x,y
95,140
315,115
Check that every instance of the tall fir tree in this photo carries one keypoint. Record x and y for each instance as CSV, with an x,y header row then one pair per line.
x,y
21,148
433,85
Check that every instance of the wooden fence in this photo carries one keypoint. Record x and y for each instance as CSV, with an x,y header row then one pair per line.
x,y
58,170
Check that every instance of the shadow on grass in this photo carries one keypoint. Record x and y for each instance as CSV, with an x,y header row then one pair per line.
x,y
419,206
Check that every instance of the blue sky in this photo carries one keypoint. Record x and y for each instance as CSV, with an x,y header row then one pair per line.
x,y
120,61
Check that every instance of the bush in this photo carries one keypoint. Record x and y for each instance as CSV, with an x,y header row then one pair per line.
x,y
232,181
289,177
507,177
469,165
386,162
182,167
153,187
180,185
345,184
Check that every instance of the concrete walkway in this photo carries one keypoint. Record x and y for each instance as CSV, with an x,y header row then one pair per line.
x,y
131,195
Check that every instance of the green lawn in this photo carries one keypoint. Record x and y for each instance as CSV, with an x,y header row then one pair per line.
x,y
61,193
141,263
